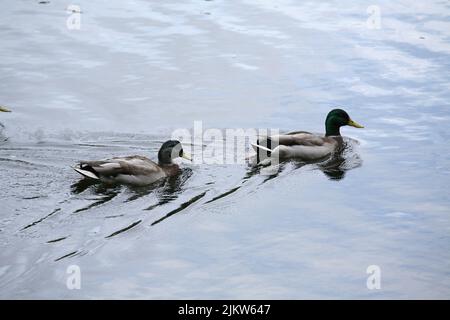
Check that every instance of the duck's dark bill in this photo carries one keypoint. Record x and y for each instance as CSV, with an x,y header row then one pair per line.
x,y
3,109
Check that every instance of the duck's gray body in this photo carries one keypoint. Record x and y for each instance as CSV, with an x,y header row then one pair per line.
x,y
135,170
300,145
305,145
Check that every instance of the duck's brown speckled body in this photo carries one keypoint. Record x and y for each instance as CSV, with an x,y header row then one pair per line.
x,y
135,170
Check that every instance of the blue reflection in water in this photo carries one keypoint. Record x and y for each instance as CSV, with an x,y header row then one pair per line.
x,y
132,75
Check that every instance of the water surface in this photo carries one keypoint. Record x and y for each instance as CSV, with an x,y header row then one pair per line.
x,y
138,70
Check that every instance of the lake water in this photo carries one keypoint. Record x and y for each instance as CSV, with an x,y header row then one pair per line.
x,y
136,71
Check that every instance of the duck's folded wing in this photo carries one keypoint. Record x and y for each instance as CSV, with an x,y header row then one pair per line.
x,y
133,165
292,139
302,139
296,132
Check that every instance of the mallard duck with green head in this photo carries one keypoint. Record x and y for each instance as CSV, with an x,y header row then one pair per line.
x,y
305,145
135,170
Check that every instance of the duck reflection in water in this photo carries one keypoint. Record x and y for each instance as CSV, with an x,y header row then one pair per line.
x,y
334,166
165,190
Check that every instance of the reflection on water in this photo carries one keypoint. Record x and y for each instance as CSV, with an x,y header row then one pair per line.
x,y
334,166
169,188
165,190
341,161
3,138
180,208
122,83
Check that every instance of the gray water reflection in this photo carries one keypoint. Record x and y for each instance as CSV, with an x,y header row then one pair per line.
x,y
136,71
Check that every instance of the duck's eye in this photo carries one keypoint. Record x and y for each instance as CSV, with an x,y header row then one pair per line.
x,y
181,153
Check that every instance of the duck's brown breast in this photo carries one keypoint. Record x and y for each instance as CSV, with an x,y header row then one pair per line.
x,y
171,169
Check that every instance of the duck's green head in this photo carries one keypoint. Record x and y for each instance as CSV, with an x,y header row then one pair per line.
x,y
170,150
3,109
337,118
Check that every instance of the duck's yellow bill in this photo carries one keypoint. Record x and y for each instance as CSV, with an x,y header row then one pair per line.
x,y
354,124
186,156
3,109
